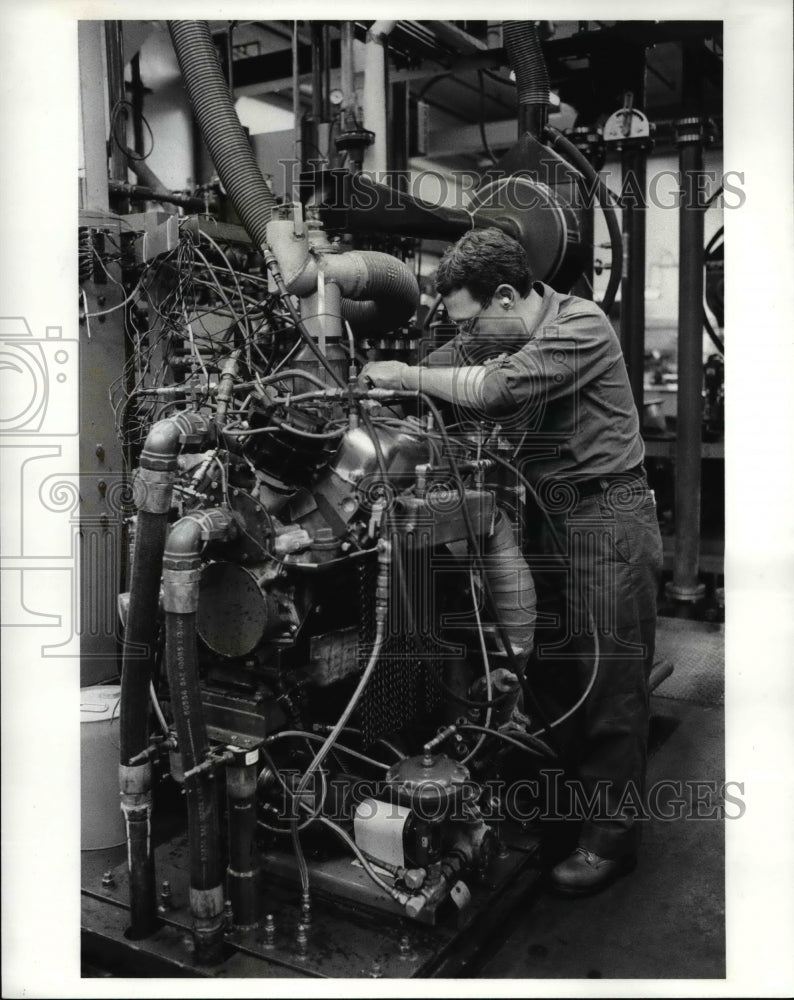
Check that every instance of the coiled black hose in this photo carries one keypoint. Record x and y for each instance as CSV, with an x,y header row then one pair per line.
x,y
559,142
220,126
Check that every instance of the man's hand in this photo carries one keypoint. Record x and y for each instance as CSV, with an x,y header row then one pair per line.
x,y
384,375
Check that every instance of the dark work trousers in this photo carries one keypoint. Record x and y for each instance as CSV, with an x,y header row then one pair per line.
x,y
603,587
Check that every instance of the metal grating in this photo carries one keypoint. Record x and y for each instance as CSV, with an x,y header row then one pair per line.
x,y
405,684
697,652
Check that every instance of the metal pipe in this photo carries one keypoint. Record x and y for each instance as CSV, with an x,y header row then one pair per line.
x,y
137,92
348,69
94,186
690,138
632,306
241,874
114,48
142,192
685,585
375,99
589,141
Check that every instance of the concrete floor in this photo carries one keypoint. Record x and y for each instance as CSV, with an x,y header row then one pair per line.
x,y
667,919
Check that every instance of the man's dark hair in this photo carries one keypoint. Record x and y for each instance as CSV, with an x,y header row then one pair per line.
x,y
482,260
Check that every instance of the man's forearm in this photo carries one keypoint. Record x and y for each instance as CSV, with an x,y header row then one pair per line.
x,y
462,385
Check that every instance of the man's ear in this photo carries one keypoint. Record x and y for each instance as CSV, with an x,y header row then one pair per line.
x,y
506,296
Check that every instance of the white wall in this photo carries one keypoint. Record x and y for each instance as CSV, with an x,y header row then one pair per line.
x,y
661,241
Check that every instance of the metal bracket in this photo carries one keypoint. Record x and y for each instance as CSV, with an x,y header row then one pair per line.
x,y
628,126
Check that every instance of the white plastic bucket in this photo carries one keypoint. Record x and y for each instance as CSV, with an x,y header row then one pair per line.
x,y
102,823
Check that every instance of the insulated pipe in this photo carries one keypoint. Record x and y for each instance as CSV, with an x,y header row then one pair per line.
x,y
380,292
375,97
532,78
181,574
152,493
217,119
512,588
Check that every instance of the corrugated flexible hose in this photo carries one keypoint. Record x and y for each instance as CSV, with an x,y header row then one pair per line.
x,y
220,126
389,295
526,58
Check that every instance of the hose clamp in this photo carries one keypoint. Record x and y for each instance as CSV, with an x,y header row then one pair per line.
x,y
135,783
152,491
690,130
205,904
181,591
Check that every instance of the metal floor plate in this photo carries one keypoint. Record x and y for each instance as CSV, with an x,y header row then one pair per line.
x,y
344,941
697,652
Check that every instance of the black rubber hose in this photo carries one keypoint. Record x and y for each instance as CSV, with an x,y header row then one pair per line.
x,y
206,864
241,818
577,159
140,634
206,870
140,863
532,78
220,126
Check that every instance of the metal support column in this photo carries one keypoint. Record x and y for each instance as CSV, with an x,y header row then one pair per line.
x,y
589,141
690,135
632,305
94,180
114,47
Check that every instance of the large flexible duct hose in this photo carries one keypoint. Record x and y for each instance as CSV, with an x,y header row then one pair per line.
x,y
217,119
392,294
532,78
386,277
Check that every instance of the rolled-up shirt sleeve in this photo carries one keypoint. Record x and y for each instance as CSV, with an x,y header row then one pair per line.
x,y
555,364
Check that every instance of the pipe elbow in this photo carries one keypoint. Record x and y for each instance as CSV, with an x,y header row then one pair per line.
x,y
298,267
381,30
184,541
162,447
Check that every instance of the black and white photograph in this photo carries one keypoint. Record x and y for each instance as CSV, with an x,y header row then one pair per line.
x,y
396,565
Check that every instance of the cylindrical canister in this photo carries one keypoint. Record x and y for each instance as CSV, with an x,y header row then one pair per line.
x,y
102,823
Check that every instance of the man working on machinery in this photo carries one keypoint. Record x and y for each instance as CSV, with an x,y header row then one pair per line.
x,y
549,367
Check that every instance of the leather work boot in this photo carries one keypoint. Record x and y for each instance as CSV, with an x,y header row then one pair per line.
x,y
583,872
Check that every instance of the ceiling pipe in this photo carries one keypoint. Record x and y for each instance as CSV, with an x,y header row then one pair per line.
x,y
375,98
